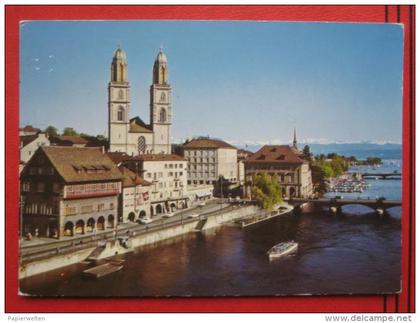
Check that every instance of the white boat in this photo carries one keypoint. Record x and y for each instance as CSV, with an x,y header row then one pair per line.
x,y
282,248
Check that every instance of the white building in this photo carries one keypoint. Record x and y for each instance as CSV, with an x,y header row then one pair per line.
x,y
134,136
29,145
167,175
209,159
135,197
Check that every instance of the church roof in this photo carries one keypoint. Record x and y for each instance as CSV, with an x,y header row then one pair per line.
x,y
207,143
139,126
120,54
275,154
131,179
76,164
161,57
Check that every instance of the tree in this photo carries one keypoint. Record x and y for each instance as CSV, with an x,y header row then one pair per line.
x,y
307,152
266,191
68,131
51,131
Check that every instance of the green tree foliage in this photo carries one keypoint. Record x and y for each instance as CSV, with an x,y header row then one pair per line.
x,y
68,131
307,152
266,191
51,131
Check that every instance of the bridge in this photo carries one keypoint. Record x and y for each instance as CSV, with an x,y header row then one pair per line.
x,y
335,205
382,175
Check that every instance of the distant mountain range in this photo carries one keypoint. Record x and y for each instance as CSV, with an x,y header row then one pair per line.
x,y
359,150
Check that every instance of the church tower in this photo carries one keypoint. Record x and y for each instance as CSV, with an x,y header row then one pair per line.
x,y
118,103
294,139
161,106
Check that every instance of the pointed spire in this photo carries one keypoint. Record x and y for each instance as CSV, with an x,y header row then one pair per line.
x,y
294,139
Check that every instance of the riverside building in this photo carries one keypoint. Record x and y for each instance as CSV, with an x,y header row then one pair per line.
x,y
292,172
210,159
167,174
68,191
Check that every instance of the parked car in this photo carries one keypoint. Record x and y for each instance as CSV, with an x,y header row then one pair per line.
x,y
144,221
168,215
192,216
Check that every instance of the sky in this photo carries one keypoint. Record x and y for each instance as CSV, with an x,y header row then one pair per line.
x,y
244,82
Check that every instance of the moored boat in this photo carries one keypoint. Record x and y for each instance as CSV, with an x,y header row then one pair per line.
x,y
282,249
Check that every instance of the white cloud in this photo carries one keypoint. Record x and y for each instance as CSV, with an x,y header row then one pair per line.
x,y
37,68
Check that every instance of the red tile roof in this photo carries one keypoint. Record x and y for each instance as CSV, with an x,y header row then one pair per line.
x,y
207,144
160,157
119,157
275,154
82,164
131,179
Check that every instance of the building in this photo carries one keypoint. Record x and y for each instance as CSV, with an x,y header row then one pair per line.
x,y
283,162
134,136
69,141
69,191
28,130
210,159
135,197
77,141
242,156
29,145
168,175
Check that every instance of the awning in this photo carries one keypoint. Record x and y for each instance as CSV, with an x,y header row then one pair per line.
x,y
203,194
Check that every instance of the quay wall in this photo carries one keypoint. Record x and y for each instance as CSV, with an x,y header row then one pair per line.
x,y
145,238
43,265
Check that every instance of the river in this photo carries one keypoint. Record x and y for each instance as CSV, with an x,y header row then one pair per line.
x,y
356,253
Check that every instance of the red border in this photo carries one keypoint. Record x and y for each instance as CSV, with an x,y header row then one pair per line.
x,y
403,302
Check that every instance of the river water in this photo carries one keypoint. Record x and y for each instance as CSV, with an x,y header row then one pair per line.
x,y
355,253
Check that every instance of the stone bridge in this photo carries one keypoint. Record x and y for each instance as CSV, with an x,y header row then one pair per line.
x,y
335,205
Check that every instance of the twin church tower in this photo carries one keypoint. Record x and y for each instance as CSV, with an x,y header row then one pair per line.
x,y
133,136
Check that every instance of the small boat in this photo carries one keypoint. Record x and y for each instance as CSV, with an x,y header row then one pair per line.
x,y
103,270
282,249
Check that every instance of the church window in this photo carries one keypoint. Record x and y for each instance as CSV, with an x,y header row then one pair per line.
x,y
120,116
162,115
162,97
120,94
141,145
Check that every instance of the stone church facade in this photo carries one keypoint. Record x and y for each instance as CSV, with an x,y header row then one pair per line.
x,y
134,136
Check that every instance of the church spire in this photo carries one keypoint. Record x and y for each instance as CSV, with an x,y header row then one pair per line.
x,y
294,139
160,69
119,66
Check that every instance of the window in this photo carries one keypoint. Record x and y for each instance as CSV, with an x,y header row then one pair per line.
x,y
162,97
56,188
120,114
32,170
111,206
162,115
69,210
101,207
40,187
120,94
180,165
141,144
87,208
26,187
50,171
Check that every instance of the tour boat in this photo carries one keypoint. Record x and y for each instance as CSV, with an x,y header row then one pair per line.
x,y
281,249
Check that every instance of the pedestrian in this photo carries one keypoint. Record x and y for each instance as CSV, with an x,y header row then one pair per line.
x,y
36,232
